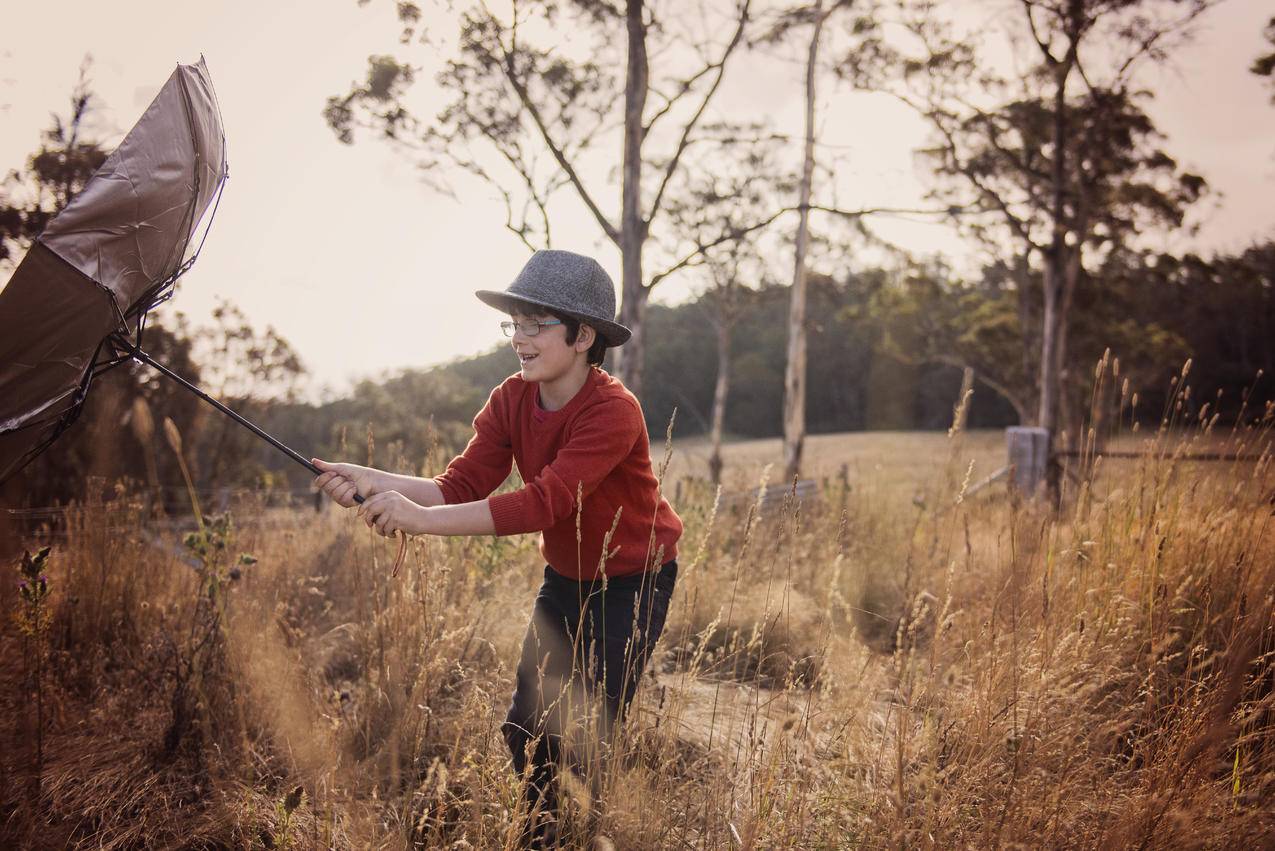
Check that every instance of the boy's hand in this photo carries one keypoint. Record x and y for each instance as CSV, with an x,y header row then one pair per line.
x,y
392,512
342,481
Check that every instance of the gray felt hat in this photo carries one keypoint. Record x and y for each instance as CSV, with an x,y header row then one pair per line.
x,y
568,283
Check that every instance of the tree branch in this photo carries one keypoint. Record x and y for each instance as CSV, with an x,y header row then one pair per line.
x,y
1029,8
683,87
1148,43
736,233
702,248
720,67
507,68
1009,396
872,211
1015,223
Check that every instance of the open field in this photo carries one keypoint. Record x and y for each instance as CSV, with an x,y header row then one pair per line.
x,y
889,665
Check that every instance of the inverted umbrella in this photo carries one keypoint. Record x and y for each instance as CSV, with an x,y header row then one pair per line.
x,y
77,304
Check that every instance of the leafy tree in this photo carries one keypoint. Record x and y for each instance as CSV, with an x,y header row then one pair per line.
x,y
1062,160
710,220
54,174
1218,311
931,318
252,371
1264,65
857,380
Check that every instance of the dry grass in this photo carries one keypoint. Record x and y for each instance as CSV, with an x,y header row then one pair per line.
x,y
890,665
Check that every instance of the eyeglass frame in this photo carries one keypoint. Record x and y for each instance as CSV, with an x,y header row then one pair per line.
x,y
509,327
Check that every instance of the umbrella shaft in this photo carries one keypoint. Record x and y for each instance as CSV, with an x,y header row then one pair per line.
x,y
142,357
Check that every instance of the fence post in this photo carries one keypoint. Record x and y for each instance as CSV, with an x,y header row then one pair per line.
x,y
1028,458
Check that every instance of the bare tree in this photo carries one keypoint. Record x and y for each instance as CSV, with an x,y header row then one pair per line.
x,y
796,19
713,219
527,113
795,368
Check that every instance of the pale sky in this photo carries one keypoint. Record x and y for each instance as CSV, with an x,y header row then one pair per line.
x,y
364,269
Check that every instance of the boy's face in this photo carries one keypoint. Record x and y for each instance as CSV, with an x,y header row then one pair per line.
x,y
547,356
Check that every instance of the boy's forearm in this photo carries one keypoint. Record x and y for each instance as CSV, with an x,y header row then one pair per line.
x,y
466,518
419,490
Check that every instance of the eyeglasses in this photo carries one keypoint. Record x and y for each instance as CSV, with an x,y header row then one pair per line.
x,y
529,329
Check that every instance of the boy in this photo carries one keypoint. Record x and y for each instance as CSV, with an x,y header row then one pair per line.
x,y
580,443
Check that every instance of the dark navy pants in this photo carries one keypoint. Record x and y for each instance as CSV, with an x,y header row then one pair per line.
x,y
582,658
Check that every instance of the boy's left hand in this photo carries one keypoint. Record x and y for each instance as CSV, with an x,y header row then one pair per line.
x,y
390,512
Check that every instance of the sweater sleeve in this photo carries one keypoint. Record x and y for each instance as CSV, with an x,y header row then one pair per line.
x,y
598,442
488,457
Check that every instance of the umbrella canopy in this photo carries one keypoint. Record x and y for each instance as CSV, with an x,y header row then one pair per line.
x,y
112,254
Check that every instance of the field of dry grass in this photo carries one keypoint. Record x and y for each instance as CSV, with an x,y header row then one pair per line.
x,y
892,664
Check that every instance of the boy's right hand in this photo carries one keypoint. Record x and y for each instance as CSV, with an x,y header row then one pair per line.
x,y
342,481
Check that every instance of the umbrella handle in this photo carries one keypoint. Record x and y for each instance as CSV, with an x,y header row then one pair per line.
x,y
141,357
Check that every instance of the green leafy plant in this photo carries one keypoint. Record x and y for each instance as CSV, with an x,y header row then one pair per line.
x,y
282,837
204,652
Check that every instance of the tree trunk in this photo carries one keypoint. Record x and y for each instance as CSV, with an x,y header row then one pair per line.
x,y
1027,330
1055,257
720,392
1047,413
633,292
1069,420
633,315
795,373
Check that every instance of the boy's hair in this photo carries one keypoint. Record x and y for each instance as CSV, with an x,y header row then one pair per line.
x,y
597,352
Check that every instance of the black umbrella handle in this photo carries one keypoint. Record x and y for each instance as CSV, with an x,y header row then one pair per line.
x,y
141,357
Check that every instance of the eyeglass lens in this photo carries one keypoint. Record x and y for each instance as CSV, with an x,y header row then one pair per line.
x,y
529,329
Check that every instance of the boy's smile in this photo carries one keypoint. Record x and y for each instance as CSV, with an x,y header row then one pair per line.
x,y
529,361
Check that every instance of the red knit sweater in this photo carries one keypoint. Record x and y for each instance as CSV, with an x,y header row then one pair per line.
x,y
597,442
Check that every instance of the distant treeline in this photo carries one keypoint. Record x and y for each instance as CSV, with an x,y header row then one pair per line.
x,y
886,351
